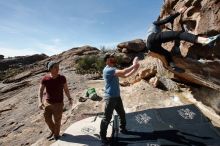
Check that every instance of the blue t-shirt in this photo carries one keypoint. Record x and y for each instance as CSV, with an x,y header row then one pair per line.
x,y
111,82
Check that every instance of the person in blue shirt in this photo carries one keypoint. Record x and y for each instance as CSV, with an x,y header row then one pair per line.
x,y
112,96
155,37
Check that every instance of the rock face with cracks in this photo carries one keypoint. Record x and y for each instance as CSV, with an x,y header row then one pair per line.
x,y
22,123
201,63
201,18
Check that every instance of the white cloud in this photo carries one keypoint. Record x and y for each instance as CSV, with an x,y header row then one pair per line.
x,y
11,52
56,41
54,46
51,48
47,49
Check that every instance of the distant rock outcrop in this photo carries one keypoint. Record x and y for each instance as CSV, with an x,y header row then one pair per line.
x,y
10,67
70,57
36,64
1,57
19,61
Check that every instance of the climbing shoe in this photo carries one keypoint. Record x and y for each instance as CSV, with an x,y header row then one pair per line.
x,y
211,40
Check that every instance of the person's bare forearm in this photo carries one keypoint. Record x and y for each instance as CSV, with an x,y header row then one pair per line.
x,y
40,95
67,93
131,72
66,90
134,67
129,69
122,73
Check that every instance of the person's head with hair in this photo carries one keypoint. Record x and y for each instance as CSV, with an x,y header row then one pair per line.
x,y
110,59
53,67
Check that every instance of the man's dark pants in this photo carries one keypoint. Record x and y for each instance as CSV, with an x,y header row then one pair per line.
x,y
111,104
155,41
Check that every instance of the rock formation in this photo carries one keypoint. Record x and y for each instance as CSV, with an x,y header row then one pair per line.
x,y
22,123
201,18
12,66
131,46
16,62
200,63
1,57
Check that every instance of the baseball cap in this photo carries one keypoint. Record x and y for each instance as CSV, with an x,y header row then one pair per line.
x,y
51,64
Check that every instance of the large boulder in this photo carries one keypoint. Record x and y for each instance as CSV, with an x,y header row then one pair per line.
x,y
78,51
201,18
132,46
149,67
200,62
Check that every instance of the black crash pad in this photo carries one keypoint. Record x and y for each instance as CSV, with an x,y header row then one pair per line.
x,y
178,126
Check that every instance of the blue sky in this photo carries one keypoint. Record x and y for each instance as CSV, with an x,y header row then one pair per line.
x,y
30,27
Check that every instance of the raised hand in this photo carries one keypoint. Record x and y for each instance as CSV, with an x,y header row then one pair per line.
x,y
135,60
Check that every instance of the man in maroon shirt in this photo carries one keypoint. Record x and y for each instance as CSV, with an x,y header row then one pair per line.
x,y
55,84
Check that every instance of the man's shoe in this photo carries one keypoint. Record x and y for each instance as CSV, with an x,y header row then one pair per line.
x,y
56,137
211,40
50,135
